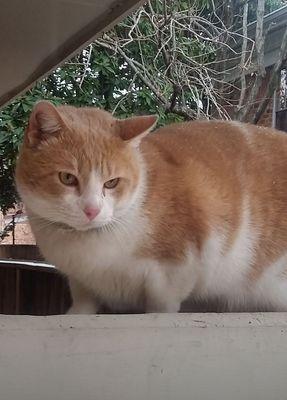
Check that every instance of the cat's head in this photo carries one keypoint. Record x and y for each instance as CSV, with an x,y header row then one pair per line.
x,y
80,166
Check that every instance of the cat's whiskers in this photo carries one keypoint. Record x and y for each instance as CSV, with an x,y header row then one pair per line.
x,y
43,224
121,224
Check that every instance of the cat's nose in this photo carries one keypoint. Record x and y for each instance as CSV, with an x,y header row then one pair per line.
x,y
91,212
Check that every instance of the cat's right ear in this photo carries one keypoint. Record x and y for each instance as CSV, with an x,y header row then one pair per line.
x,y
133,130
45,122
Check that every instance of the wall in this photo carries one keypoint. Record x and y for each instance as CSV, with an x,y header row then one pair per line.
x,y
22,233
20,252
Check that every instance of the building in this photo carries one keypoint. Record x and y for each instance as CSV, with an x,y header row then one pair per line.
x,y
274,27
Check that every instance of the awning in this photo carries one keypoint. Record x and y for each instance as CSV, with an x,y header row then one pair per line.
x,y
38,35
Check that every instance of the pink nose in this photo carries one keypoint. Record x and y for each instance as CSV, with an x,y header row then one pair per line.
x,y
91,212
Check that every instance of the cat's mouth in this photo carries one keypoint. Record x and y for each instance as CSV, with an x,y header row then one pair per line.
x,y
86,228
66,228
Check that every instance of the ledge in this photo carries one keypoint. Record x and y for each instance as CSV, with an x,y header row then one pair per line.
x,y
140,357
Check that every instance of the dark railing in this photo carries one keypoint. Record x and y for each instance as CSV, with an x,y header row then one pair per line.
x,y
281,120
30,287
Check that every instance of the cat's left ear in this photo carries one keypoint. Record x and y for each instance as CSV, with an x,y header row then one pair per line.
x,y
133,130
45,122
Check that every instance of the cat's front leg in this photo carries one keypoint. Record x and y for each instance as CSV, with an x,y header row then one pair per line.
x,y
155,304
159,297
84,301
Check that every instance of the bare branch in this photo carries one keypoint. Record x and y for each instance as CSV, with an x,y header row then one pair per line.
x,y
86,66
184,81
185,112
259,62
243,56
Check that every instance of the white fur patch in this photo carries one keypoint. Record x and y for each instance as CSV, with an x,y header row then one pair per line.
x,y
271,288
226,273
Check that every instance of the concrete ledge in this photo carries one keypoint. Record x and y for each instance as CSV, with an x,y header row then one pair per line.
x,y
144,357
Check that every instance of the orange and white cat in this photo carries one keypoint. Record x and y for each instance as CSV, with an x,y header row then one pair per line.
x,y
141,222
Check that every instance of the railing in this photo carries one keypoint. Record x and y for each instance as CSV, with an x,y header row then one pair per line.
x,y
281,120
32,288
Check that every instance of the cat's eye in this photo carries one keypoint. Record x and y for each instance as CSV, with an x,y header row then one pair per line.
x,y
112,183
68,179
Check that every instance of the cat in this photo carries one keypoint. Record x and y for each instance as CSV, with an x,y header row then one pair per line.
x,y
142,221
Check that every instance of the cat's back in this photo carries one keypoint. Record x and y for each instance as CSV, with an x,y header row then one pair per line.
x,y
227,152
210,141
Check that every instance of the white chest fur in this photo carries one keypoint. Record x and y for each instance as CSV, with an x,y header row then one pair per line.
x,y
106,263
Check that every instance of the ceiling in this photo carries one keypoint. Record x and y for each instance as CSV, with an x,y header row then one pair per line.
x,y
38,35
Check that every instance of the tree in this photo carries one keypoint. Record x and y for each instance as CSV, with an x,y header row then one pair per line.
x,y
181,52
168,58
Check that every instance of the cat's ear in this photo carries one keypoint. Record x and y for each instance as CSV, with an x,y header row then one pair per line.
x,y
132,130
45,121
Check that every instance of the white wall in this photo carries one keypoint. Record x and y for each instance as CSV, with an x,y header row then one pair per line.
x,y
133,357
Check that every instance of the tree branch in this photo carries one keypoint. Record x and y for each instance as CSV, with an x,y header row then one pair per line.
x,y
243,56
259,64
185,112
